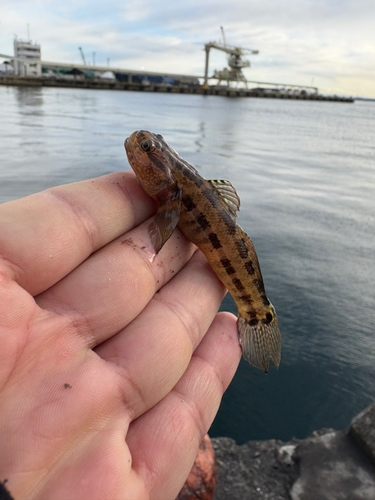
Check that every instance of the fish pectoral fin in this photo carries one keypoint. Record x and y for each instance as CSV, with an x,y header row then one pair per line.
x,y
166,217
228,196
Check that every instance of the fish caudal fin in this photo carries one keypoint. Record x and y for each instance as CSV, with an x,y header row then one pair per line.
x,y
259,343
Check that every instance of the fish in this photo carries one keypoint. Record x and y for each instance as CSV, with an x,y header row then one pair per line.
x,y
206,211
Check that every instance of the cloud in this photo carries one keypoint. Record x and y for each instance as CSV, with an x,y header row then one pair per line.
x,y
330,41
137,10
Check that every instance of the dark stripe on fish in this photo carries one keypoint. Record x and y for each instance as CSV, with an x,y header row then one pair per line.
x,y
158,164
193,177
202,221
249,267
214,241
227,265
237,283
229,222
189,203
241,247
211,195
246,299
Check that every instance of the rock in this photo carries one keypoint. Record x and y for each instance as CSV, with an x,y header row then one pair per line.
x,y
326,466
201,482
332,467
362,429
253,470
285,454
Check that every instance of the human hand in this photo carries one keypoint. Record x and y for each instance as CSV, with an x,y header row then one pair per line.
x,y
108,379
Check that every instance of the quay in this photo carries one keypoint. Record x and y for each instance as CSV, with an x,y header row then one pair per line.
x,y
27,69
180,88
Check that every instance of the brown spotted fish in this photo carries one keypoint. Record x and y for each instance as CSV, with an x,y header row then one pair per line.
x,y
205,211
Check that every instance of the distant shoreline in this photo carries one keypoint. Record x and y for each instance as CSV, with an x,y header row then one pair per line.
x,y
364,99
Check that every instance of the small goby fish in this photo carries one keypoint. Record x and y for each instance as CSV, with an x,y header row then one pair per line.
x,y
205,211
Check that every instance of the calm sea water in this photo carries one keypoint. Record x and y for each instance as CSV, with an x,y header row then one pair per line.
x,y
305,173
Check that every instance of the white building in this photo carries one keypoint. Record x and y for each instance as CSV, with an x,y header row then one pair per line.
x,y
27,59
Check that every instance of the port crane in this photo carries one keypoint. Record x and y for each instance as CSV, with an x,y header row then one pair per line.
x,y
235,62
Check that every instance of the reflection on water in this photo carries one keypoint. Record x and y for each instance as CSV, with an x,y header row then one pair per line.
x,y
28,98
200,139
305,175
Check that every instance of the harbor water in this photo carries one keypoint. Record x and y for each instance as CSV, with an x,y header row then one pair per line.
x,y
305,173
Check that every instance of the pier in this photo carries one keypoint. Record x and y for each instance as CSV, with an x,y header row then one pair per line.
x,y
180,88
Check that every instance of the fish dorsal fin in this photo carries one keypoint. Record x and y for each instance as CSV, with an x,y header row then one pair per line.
x,y
228,196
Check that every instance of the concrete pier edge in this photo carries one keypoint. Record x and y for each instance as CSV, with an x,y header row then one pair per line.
x,y
100,84
328,465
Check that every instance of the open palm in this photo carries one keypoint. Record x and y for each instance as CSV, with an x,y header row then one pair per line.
x,y
113,361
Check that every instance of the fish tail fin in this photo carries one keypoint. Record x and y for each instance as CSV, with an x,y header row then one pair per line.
x,y
260,342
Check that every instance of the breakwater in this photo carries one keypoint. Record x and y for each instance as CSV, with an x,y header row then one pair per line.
x,y
106,84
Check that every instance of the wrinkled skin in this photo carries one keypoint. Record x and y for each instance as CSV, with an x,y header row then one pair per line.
x,y
113,361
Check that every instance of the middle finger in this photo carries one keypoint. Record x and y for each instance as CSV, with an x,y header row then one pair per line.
x,y
109,289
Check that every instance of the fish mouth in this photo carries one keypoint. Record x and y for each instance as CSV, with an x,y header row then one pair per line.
x,y
130,145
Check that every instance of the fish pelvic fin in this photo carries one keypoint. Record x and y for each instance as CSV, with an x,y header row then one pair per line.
x,y
260,342
166,217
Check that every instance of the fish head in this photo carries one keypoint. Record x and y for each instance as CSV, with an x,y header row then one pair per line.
x,y
151,159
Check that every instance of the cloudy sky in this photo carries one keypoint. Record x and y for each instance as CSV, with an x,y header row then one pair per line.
x,y
327,43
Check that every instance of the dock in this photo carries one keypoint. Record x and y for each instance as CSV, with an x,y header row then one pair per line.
x,y
182,88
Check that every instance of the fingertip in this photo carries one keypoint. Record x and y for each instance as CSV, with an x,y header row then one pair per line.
x,y
220,347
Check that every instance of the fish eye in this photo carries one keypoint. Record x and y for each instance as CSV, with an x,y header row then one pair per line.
x,y
147,146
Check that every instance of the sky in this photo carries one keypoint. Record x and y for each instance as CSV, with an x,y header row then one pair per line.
x,y
326,43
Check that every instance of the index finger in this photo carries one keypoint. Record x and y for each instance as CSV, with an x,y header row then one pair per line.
x,y
46,235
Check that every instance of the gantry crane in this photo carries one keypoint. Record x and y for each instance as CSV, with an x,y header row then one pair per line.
x,y
235,62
